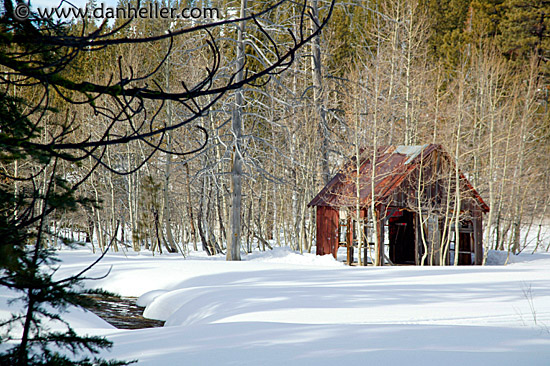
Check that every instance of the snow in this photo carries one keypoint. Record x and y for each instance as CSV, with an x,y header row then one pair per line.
x,y
281,307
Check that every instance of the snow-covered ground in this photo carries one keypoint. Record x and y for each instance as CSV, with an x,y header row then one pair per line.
x,y
283,308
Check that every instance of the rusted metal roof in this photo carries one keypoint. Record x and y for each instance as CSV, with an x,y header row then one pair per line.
x,y
393,165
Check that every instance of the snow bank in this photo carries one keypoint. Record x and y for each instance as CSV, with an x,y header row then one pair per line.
x,y
499,258
288,256
281,307
278,344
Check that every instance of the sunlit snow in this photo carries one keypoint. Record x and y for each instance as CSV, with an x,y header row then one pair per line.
x,y
284,308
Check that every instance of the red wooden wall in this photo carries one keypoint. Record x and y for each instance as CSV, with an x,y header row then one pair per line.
x,y
327,230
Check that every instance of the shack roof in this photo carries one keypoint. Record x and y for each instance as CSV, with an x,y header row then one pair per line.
x,y
393,165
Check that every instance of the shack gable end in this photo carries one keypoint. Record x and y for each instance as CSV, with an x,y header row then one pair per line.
x,y
419,185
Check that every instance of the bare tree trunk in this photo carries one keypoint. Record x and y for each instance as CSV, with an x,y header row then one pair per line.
x,y
234,240
395,45
221,216
249,228
132,202
419,193
457,188
358,218
221,198
446,235
318,93
166,214
374,216
201,222
190,209
409,140
98,225
112,206
491,181
276,218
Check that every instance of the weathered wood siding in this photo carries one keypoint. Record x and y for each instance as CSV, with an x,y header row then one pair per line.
x,y
478,236
327,231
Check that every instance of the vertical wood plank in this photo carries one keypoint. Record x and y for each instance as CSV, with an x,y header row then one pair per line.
x,y
478,236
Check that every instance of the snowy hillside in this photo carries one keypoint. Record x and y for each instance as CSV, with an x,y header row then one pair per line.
x,y
282,308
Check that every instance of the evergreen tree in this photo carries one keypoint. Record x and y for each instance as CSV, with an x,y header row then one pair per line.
x,y
486,17
26,263
525,29
342,36
449,22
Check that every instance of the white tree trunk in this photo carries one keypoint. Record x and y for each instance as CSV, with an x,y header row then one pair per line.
x,y
234,239
166,214
318,93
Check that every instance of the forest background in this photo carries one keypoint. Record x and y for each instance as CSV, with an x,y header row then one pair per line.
x,y
472,76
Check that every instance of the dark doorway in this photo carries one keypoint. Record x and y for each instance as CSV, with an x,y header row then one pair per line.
x,y
401,238
465,256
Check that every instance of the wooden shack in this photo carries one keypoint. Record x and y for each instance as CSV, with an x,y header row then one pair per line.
x,y
420,199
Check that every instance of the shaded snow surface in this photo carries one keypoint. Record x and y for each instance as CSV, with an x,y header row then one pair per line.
x,y
283,308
